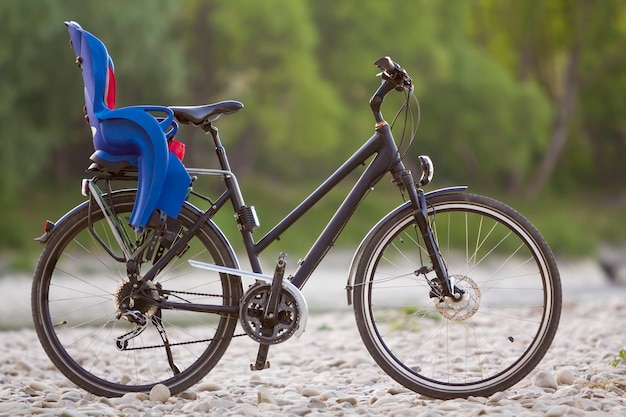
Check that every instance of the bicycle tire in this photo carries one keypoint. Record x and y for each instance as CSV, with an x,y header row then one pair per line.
x,y
485,343
74,286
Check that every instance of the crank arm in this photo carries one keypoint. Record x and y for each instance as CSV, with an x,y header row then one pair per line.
x,y
277,280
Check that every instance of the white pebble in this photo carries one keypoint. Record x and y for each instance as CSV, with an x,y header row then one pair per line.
x,y
21,365
201,407
159,393
565,377
39,386
556,411
188,395
71,413
346,400
327,395
208,386
316,403
264,396
221,404
310,392
546,380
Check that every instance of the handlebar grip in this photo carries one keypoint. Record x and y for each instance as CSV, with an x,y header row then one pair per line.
x,y
386,64
394,73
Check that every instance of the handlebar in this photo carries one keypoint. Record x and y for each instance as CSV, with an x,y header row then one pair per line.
x,y
394,73
394,78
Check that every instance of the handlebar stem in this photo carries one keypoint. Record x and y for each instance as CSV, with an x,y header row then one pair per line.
x,y
377,100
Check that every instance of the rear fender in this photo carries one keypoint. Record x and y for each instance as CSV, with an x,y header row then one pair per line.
x,y
51,228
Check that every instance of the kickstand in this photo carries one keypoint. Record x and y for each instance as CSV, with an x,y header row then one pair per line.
x,y
158,323
261,358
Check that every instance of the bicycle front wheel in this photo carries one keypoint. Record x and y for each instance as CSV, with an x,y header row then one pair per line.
x,y
78,287
487,340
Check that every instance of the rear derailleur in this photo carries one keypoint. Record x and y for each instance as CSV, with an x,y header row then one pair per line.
x,y
136,306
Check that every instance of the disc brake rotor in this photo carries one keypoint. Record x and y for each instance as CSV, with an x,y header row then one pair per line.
x,y
466,306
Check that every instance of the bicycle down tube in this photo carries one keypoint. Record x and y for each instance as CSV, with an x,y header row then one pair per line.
x,y
380,144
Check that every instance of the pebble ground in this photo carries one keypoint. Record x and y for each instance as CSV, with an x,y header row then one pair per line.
x,y
328,372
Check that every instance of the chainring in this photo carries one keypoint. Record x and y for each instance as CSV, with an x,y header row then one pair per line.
x,y
269,332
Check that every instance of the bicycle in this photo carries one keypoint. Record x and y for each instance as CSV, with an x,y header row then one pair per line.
x,y
454,294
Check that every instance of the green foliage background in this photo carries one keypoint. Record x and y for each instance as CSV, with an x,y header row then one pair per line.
x,y
521,100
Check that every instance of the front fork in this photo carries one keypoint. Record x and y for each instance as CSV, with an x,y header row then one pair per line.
x,y
418,202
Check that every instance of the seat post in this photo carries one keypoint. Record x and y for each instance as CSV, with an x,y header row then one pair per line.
x,y
219,148
229,179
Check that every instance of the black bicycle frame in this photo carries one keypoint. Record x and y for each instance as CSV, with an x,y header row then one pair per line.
x,y
387,159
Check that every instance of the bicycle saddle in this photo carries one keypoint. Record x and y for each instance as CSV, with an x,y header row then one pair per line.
x,y
199,115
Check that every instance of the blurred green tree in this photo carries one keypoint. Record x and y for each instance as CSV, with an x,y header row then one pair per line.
x,y
574,51
478,123
262,53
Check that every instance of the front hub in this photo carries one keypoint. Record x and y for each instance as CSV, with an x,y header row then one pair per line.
x,y
465,306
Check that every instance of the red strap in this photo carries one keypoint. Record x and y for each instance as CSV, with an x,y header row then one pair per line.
x,y
109,90
178,148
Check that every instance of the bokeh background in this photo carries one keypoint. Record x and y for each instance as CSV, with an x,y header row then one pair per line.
x,y
521,100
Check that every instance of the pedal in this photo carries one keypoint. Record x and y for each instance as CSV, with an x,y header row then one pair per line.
x,y
261,359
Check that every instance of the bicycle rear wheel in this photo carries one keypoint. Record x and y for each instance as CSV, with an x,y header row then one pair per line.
x,y
489,339
78,286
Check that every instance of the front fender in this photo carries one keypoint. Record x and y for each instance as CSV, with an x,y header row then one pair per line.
x,y
365,242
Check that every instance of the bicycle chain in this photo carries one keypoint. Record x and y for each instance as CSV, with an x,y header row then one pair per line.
x,y
190,342
192,293
184,343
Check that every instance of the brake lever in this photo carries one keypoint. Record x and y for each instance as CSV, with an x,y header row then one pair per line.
x,y
405,84
386,64
394,73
